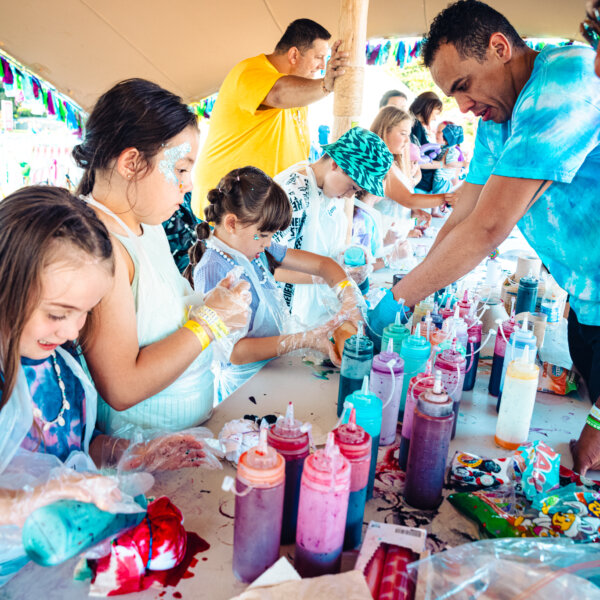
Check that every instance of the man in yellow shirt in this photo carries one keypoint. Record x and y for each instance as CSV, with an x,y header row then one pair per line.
x,y
260,116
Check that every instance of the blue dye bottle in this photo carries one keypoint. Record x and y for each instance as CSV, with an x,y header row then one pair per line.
x,y
369,409
357,360
355,444
415,353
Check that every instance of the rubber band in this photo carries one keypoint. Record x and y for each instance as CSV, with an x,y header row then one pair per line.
x,y
593,423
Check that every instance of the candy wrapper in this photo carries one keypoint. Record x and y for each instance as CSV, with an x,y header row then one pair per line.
x,y
470,471
538,467
238,436
557,380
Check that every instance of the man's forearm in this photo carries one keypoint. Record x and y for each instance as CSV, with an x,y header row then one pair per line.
x,y
291,91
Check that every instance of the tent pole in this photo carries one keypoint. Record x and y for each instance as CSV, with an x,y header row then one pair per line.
x,y
348,88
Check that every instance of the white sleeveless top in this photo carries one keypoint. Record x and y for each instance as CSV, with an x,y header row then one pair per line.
x,y
161,296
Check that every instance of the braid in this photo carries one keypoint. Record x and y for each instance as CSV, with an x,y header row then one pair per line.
x,y
196,252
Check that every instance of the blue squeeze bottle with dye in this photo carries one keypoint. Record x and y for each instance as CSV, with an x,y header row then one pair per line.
x,y
527,294
396,331
387,375
368,415
436,318
354,256
290,438
357,359
414,352
519,339
355,444
54,533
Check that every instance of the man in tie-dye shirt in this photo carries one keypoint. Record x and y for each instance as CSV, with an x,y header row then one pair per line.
x,y
536,165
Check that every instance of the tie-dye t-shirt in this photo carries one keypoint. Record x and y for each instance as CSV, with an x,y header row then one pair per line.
x,y
43,387
554,134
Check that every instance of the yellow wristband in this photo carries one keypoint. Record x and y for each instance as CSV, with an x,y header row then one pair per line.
x,y
214,322
339,287
199,332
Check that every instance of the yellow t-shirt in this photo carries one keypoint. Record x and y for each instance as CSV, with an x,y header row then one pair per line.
x,y
240,134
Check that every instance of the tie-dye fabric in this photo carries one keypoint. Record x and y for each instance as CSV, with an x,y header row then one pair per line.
x,y
43,386
554,134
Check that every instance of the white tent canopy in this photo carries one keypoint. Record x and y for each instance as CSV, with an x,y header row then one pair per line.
x,y
188,46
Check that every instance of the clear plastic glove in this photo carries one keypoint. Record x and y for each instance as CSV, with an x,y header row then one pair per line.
x,y
423,217
230,300
165,452
353,303
316,339
415,233
101,490
359,274
391,237
400,251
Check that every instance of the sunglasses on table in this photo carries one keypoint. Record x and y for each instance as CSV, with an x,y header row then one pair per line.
x,y
590,29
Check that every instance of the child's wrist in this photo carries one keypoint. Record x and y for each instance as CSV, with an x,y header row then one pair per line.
x,y
208,317
200,332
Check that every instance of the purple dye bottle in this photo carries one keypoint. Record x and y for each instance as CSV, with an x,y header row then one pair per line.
x,y
418,384
324,495
290,438
432,428
387,376
451,365
355,444
259,490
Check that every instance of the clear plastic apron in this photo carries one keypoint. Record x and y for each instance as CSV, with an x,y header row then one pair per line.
x,y
161,298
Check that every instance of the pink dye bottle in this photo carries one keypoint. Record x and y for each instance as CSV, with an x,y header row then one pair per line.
x,y
290,438
324,495
418,384
451,364
259,490
464,306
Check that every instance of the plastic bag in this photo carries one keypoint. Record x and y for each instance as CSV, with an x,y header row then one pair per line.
x,y
237,436
152,450
515,569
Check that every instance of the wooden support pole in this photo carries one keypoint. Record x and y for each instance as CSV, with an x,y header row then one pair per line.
x,y
348,88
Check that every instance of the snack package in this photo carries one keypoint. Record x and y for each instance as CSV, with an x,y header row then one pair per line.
x,y
538,466
470,471
557,380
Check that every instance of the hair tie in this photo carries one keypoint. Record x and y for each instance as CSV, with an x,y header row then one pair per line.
x,y
237,178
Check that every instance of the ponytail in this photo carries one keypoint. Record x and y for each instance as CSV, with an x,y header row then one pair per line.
x,y
196,252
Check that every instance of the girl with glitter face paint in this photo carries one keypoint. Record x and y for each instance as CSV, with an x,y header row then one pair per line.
x,y
150,362
247,208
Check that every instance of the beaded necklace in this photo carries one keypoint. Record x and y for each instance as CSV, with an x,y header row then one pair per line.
x,y
259,262
59,420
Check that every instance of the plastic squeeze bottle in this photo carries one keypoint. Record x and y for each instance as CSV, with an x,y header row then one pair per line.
x,y
259,493
464,306
354,256
357,359
432,428
324,494
355,444
474,344
395,332
415,352
447,311
421,310
460,328
517,342
505,330
56,532
387,377
451,365
518,400
290,438
368,415
418,384
527,294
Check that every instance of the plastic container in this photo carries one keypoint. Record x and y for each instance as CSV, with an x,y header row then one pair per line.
x,y
451,365
474,331
56,532
260,490
418,384
461,329
527,294
518,400
421,310
426,467
357,359
447,311
324,495
505,330
519,339
464,306
368,415
354,256
414,352
290,438
355,444
386,379
395,332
